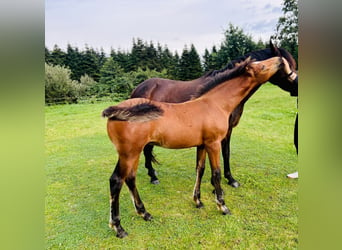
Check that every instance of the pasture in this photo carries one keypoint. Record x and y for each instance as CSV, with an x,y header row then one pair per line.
x,y
80,159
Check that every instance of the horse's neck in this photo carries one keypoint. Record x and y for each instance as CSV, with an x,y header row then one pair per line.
x,y
230,94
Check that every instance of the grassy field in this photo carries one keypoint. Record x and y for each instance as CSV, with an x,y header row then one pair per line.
x,y
80,160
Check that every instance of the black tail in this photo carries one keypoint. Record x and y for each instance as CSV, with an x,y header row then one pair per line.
x,y
137,113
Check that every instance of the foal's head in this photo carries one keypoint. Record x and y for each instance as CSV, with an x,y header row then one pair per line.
x,y
262,71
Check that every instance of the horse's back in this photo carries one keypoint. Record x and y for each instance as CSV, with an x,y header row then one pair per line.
x,y
151,87
166,90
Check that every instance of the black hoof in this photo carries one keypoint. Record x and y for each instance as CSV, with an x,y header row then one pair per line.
x,y
147,216
200,205
234,183
226,212
155,181
121,234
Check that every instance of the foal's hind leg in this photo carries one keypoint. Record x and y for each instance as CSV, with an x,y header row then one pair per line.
x,y
148,163
115,185
214,156
124,171
200,166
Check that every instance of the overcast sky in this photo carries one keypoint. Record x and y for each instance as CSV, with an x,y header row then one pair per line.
x,y
114,23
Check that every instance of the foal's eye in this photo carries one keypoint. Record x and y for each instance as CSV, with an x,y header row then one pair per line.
x,y
263,67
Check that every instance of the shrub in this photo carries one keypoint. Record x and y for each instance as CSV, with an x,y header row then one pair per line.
x,y
60,88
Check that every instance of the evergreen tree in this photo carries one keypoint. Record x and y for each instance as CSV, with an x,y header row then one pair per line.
x,y
210,60
48,56
58,56
287,28
236,44
151,58
167,61
206,58
184,64
195,70
173,71
110,72
122,58
159,58
138,55
261,45
73,58
89,63
189,65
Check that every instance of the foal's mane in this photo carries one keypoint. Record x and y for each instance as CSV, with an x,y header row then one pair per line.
x,y
221,76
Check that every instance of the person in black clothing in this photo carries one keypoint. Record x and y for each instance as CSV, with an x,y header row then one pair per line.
x,y
292,76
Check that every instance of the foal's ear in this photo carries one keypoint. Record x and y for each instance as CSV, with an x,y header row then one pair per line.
x,y
247,63
249,69
274,49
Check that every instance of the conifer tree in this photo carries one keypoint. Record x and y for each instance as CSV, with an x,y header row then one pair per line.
x,y
110,72
287,28
73,58
48,56
58,56
189,65
184,65
195,69
89,63
235,44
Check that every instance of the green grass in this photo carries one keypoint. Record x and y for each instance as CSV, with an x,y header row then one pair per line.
x,y
80,160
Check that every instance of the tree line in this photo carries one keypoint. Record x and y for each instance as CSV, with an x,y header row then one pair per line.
x,y
90,74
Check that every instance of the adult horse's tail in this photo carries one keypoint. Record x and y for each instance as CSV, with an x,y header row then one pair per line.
x,y
137,113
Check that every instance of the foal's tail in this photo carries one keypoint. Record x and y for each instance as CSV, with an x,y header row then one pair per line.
x,y
138,113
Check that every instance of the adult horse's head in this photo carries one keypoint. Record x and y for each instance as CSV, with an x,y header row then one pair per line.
x,y
280,78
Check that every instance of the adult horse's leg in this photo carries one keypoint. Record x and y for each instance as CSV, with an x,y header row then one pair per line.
x,y
213,151
148,163
225,144
233,121
115,184
200,166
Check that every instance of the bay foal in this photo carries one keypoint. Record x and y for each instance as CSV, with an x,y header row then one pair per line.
x,y
201,123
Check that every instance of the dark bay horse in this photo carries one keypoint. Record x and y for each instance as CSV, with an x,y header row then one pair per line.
x,y
201,123
172,91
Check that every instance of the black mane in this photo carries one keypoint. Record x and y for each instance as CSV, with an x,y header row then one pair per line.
x,y
220,76
258,55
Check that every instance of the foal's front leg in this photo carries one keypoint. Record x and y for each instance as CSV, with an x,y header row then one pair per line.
x,y
200,166
214,156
